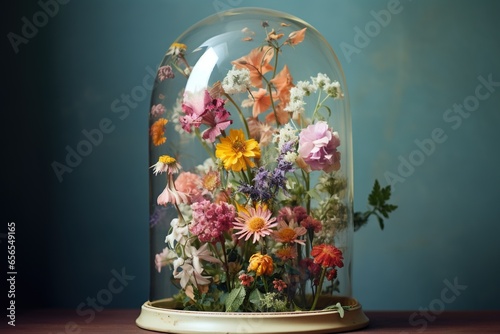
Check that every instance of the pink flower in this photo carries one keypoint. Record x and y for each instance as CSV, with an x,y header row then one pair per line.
x,y
246,280
171,195
311,224
166,257
216,118
190,184
296,214
318,147
157,110
193,107
211,220
165,72
279,285
200,108
256,222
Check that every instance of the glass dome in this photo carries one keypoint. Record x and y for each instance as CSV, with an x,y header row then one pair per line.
x,y
251,178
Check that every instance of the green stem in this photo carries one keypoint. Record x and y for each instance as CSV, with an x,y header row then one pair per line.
x,y
306,177
226,266
240,113
318,290
264,281
204,144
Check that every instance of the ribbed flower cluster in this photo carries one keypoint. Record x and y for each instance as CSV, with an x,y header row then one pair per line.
x,y
211,220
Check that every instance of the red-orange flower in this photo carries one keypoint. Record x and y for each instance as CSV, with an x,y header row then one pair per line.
x,y
257,62
327,256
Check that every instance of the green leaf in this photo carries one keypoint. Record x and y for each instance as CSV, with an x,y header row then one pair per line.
x,y
235,299
255,297
377,199
336,307
315,194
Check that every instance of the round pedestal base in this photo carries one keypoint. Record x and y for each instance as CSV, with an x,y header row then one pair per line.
x,y
162,316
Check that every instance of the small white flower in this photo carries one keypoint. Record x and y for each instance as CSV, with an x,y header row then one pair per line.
x,y
333,90
179,233
203,253
295,106
307,87
321,80
236,81
189,274
286,134
207,166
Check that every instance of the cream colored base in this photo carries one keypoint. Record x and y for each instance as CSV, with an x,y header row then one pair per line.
x,y
163,317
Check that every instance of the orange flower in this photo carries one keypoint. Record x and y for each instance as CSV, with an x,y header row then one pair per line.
x,y
289,234
157,132
257,62
273,35
259,100
296,37
282,115
283,82
261,264
327,256
287,252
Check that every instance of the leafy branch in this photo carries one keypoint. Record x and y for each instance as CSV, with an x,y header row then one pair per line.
x,y
380,208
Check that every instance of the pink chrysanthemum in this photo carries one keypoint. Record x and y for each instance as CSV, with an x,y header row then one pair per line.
x,y
211,220
318,147
256,222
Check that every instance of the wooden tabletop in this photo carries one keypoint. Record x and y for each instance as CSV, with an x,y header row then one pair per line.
x,y
123,321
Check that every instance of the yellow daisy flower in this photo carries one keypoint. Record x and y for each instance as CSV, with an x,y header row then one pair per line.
x,y
235,152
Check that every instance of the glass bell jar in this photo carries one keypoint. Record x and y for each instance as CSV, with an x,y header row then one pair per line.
x,y
251,181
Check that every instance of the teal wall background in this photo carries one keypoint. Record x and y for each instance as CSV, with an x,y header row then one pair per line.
x,y
406,81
